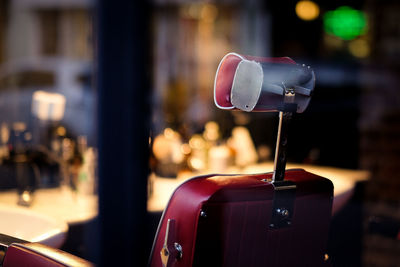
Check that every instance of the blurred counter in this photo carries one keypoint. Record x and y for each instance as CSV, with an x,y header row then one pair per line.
x,y
343,181
59,203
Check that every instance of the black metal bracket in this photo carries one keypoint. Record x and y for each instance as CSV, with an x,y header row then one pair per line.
x,y
283,204
284,191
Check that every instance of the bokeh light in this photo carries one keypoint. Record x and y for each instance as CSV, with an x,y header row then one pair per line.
x,y
345,22
359,48
307,10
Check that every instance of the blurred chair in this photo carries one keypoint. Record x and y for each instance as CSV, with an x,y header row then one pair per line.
x,y
16,252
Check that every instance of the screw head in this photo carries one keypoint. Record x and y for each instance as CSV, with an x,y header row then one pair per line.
x,y
178,248
283,212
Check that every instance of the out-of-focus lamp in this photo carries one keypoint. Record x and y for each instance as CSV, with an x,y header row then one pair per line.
x,y
48,106
345,22
307,10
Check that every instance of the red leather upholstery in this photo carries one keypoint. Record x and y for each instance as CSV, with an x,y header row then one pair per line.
x,y
224,79
38,255
236,194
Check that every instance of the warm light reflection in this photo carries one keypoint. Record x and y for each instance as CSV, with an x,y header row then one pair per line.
x,y
61,131
211,132
169,133
167,147
359,48
197,142
26,197
307,10
185,149
209,12
196,163
4,133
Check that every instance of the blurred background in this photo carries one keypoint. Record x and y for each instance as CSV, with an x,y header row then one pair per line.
x,y
49,106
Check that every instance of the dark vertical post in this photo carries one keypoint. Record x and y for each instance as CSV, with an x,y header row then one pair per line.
x,y
123,83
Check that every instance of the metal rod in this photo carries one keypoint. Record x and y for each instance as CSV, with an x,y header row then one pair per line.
x,y
278,139
281,145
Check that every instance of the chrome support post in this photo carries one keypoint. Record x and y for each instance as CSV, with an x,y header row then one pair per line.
x,y
281,140
281,146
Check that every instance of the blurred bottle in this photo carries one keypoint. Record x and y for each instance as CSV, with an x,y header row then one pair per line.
x,y
197,160
219,158
87,181
26,173
167,151
242,143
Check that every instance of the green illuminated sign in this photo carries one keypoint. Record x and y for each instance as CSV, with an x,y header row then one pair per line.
x,y
345,22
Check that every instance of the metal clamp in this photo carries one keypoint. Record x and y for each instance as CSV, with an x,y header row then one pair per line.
x,y
283,206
